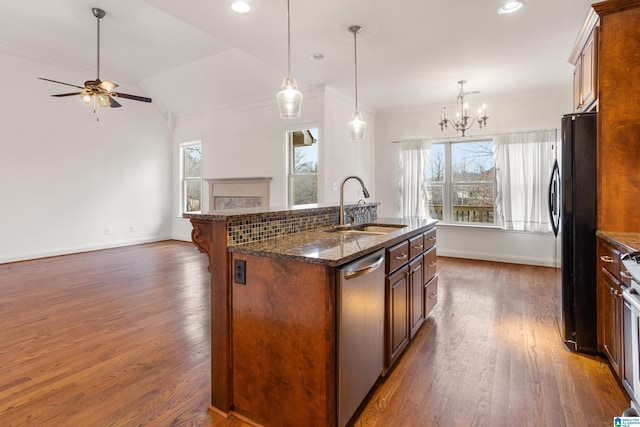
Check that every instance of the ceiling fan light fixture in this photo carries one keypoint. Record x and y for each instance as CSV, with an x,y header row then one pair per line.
x,y
103,100
86,98
510,6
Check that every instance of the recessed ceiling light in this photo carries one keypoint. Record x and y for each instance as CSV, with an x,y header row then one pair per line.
x,y
510,6
240,6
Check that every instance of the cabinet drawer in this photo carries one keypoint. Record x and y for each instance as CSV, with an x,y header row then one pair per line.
x,y
397,256
430,295
430,262
416,246
430,238
609,258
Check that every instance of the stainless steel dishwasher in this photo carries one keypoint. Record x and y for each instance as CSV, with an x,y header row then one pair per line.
x,y
360,308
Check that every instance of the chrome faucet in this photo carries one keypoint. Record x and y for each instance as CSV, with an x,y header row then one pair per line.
x,y
365,192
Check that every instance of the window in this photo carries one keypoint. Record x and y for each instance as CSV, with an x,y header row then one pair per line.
x,y
303,166
191,179
462,182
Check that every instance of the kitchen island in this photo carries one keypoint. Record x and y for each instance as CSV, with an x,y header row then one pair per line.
x,y
273,305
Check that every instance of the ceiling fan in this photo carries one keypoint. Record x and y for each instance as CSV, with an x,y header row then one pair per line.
x,y
98,92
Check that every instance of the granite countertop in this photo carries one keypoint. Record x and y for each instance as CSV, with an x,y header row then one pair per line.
x,y
630,241
262,212
332,248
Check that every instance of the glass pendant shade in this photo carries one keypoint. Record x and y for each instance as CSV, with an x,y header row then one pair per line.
x,y
103,100
86,98
357,126
289,99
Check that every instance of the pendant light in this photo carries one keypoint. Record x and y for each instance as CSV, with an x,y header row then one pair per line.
x,y
289,98
357,126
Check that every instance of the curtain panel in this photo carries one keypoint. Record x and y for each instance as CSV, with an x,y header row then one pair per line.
x,y
413,162
523,167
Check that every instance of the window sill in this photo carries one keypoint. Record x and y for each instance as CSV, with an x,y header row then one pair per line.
x,y
488,227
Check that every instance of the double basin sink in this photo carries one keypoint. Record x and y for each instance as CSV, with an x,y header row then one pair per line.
x,y
370,228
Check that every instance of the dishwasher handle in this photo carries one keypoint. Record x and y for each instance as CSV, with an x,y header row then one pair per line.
x,y
366,269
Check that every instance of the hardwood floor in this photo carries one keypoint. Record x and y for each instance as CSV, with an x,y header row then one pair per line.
x,y
120,338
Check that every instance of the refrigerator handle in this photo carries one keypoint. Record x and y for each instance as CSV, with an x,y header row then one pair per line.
x,y
554,208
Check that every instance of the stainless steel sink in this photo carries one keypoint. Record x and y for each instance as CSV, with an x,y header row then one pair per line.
x,y
366,228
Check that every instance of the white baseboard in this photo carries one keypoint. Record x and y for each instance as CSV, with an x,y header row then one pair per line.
x,y
513,259
74,250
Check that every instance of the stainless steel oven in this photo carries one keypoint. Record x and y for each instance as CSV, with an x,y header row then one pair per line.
x,y
631,335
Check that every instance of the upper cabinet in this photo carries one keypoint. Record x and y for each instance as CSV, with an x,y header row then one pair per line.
x,y
584,57
618,155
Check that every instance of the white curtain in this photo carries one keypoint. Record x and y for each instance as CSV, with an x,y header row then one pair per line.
x,y
413,159
523,169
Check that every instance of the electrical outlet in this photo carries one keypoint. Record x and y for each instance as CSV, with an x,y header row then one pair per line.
x,y
131,230
106,231
240,271
335,186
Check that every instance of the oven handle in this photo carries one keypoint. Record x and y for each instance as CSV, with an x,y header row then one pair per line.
x,y
632,297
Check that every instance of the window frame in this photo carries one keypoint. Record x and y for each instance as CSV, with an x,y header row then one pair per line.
x,y
289,163
448,184
184,180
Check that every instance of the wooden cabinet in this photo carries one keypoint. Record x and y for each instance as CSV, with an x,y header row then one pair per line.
x,y
411,289
611,279
585,76
584,58
284,352
397,316
618,124
416,299
611,299
430,280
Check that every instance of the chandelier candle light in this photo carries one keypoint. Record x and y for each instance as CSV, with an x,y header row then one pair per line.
x,y
461,123
357,126
289,98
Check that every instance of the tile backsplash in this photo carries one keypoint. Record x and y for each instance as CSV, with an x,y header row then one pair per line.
x,y
243,230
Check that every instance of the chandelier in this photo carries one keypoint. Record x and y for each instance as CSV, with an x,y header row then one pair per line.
x,y
461,123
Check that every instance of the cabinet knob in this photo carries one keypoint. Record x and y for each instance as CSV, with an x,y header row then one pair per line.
x,y
433,264
433,295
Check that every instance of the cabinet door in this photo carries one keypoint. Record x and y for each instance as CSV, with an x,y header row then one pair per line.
x,y
430,295
611,299
396,316
577,86
588,79
416,300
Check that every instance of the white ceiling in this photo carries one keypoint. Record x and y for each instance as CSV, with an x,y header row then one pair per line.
x,y
198,55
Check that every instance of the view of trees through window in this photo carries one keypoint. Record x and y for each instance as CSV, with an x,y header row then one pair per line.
x,y
192,177
303,173
462,182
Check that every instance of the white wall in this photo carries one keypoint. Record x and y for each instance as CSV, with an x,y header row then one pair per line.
x,y
542,110
65,178
344,157
250,142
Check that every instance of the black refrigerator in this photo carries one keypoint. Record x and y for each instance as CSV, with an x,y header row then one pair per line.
x,y
572,208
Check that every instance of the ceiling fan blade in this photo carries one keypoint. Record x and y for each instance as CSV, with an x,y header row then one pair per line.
x,y
60,95
113,103
107,85
62,83
134,97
